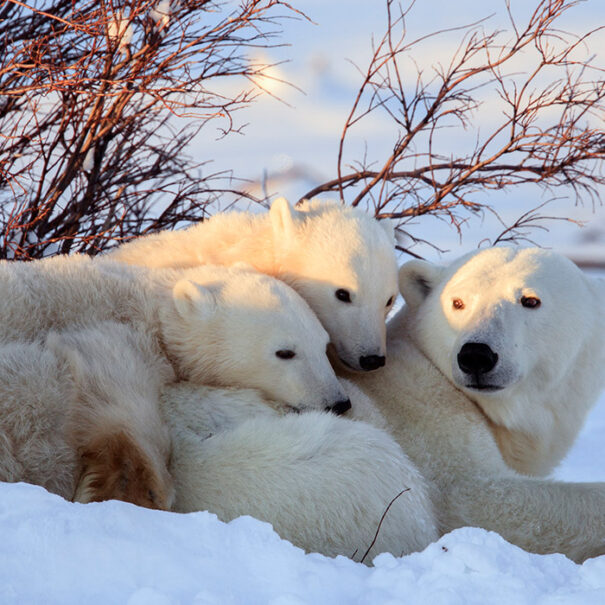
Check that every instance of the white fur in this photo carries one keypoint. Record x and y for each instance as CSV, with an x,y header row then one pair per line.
x,y
451,433
550,363
217,325
63,399
323,482
317,249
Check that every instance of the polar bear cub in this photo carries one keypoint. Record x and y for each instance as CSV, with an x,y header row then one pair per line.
x,y
522,332
216,325
227,327
328,484
338,258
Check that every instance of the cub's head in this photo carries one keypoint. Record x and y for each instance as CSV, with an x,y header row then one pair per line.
x,y
239,328
342,262
520,330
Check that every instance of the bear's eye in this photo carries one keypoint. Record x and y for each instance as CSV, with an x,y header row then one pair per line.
x,y
343,295
390,301
285,354
458,304
530,302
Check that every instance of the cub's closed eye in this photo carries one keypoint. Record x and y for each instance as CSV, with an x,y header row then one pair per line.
x,y
390,301
343,295
530,302
458,304
285,354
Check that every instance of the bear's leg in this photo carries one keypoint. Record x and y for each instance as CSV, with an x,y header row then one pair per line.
x,y
114,422
116,467
325,483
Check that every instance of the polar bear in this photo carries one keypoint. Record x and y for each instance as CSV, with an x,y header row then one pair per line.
x,y
522,333
339,259
216,325
328,484
493,364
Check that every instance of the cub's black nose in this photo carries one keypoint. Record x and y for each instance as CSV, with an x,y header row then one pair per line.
x,y
371,362
476,358
340,407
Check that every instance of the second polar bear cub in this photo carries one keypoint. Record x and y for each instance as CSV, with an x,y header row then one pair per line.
x,y
339,259
227,327
216,325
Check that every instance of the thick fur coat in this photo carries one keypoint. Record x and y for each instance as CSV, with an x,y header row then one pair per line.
x,y
339,259
328,484
468,441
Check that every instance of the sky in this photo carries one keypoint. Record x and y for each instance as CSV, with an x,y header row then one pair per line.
x,y
292,144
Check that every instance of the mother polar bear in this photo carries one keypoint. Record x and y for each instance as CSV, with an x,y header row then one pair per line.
x,y
494,363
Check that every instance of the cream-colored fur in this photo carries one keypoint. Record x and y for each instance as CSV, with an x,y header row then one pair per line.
x,y
324,483
318,249
549,356
448,433
217,325
222,326
80,415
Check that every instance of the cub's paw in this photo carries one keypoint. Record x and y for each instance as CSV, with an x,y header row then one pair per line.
x,y
117,467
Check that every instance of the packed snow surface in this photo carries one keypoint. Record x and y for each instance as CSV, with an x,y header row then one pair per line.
x,y
53,551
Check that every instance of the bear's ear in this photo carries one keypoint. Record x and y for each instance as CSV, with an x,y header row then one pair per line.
x,y
67,350
417,278
191,298
389,228
282,220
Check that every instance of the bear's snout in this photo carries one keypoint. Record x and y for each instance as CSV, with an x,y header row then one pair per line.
x,y
371,362
340,407
476,358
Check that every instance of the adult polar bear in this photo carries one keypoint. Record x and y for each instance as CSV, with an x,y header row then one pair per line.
x,y
339,259
493,364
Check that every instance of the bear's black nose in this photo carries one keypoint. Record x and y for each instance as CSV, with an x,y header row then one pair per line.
x,y
371,362
476,358
340,407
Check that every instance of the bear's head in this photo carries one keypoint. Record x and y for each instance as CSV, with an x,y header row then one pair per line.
x,y
522,332
235,327
342,262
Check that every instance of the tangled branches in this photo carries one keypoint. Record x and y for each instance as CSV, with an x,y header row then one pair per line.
x,y
99,100
538,89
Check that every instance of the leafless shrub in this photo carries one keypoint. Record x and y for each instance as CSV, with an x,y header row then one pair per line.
x,y
546,121
99,100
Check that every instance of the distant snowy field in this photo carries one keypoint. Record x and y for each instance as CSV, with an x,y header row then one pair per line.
x,y
53,551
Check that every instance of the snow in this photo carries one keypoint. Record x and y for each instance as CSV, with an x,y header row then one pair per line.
x,y
54,551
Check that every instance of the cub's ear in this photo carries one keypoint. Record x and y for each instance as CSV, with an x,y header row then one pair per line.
x,y
417,278
191,298
67,350
282,220
389,228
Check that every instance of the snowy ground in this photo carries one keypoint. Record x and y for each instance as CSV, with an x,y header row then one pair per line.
x,y
53,551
